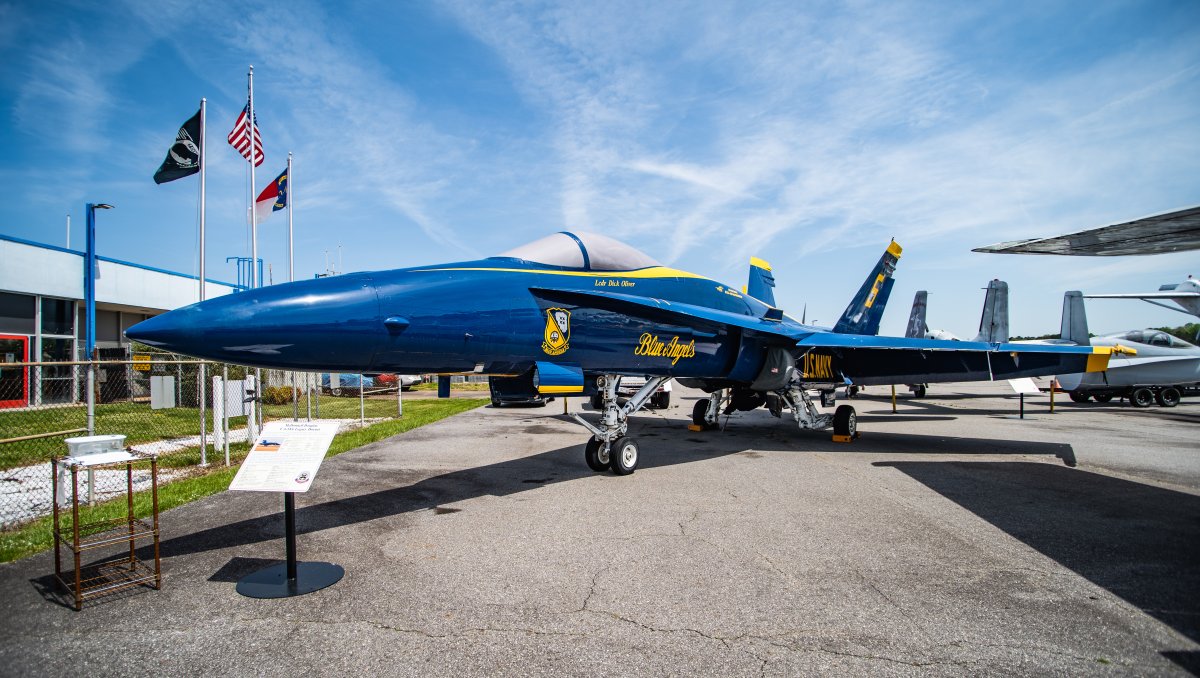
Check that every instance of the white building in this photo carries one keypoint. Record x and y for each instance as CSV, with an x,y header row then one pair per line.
x,y
42,309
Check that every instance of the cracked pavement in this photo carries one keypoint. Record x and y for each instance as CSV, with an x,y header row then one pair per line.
x,y
939,543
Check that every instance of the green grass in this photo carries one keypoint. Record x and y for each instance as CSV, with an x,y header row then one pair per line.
x,y
464,386
38,535
140,424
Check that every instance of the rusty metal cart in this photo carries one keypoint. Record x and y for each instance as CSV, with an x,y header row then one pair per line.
x,y
122,572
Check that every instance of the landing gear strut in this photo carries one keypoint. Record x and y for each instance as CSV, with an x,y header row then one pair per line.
x,y
609,447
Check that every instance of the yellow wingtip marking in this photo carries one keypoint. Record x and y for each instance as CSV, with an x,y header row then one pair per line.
x,y
755,261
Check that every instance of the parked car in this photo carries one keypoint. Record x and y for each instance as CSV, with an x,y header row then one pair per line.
x,y
345,384
406,381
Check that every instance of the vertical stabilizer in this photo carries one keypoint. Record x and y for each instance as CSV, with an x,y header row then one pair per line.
x,y
761,284
916,318
993,324
1074,320
875,314
866,309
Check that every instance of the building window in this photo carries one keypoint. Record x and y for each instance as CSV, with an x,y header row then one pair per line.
x,y
16,313
56,316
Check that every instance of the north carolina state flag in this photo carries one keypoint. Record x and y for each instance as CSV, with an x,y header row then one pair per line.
x,y
273,198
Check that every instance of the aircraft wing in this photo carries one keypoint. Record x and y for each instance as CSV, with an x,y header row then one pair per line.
x,y
863,359
671,311
867,360
1147,295
1158,234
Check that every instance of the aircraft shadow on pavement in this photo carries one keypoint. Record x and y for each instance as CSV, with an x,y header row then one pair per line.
x,y
499,479
1138,541
566,464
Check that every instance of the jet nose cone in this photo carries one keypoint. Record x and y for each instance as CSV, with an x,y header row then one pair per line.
x,y
157,331
327,324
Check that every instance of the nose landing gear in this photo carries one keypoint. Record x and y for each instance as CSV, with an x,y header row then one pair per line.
x,y
610,447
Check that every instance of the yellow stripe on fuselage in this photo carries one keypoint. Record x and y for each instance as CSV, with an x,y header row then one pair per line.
x,y
560,389
652,272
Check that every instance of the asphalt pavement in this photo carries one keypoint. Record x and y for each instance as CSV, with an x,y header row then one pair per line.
x,y
952,538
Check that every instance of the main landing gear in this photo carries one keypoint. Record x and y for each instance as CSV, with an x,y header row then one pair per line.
x,y
610,447
843,421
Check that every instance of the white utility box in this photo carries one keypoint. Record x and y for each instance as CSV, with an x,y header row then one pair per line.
x,y
84,445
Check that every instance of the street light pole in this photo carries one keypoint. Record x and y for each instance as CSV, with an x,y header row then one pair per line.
x,y
89,300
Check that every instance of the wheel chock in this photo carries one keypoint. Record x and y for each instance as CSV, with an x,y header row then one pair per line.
x,y
695,428
846,439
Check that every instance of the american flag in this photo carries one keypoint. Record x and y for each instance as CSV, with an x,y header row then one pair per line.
x,y
239,138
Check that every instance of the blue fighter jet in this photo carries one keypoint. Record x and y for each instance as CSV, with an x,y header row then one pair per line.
x,y
576,311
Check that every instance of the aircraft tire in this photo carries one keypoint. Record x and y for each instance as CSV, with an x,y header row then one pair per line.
x,y
1078,397
698,411
597,402
662,400
1103,398
1141,397
624,456
595,456
1168,397
335,392
919,390
495,401
845,421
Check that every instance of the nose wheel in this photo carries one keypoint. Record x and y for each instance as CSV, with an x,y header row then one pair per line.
x,y
596,455
610,447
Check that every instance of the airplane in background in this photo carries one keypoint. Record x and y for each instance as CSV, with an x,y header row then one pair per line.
x,y
993,322
576,311
1186,294
1154,373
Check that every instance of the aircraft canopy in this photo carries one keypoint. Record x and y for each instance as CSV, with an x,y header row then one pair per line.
x,y
580,249
1155,338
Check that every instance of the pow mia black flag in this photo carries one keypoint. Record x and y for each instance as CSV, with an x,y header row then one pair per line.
x,y
183,158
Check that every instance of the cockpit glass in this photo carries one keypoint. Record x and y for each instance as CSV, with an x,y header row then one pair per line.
x,y
1159,339
579,249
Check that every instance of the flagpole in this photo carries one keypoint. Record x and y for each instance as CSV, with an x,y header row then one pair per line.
x,y
291,197
254,281
255,278
203,366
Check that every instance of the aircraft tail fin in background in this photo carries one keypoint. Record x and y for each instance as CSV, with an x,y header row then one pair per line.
x,y
917,326
993,324
1074,319
761,284
865,311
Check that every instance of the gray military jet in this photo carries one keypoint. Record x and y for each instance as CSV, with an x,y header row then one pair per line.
x,y
1162,367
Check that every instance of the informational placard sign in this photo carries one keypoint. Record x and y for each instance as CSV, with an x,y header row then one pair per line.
x,y
1024,385
285,456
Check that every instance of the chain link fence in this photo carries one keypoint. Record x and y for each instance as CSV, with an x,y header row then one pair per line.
x,y
157,402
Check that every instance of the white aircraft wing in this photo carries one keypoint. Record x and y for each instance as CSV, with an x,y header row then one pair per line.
x,y
1147,295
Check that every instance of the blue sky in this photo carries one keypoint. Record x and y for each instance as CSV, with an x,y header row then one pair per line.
x,y
702,133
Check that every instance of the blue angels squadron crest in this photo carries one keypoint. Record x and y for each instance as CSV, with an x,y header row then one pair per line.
x,y
558,331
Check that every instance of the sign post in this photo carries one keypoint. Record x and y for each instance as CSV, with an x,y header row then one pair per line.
x,y
285,458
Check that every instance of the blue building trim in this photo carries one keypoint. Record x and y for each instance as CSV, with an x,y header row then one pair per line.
x,y
155,269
